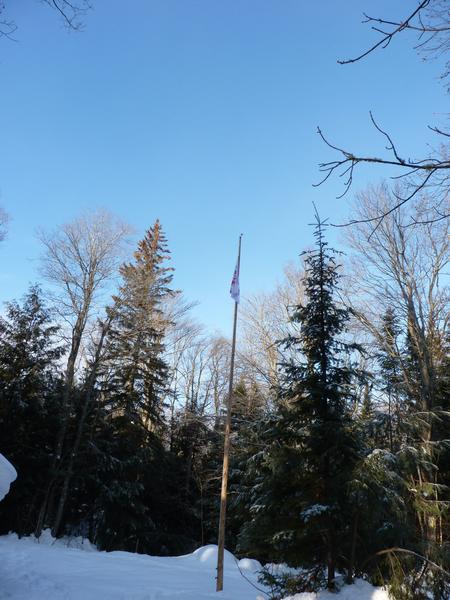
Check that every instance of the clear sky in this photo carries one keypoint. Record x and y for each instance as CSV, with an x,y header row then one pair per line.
x,y
201,113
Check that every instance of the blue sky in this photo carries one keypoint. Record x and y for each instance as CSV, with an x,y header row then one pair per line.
x,y
201,113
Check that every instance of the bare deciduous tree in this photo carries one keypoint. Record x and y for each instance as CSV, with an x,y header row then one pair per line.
x,y
181,333
266,321
80,259
200,377
402,268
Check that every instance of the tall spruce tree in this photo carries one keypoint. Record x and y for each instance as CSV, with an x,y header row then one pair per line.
x,y
136,337
133,506
300,511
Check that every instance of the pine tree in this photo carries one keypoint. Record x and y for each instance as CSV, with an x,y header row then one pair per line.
x,y
138,372
300,510
247,416
366,413
134,488
30,393
390,373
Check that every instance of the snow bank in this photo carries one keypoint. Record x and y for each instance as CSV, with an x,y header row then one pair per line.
x,y
8,474
78,542
207,555
49,569
250,564
72,569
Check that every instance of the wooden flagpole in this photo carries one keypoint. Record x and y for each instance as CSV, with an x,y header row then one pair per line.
x,y
226,448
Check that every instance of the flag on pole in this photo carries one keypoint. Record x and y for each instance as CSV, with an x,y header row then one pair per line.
x,y
234,289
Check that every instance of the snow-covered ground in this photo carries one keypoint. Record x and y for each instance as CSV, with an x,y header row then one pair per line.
x,y
75,570
360,590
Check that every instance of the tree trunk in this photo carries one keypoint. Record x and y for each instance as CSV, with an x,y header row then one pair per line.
x,y
89,392
351,565
331,570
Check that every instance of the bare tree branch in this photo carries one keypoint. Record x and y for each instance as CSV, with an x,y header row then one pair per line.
x,y
431,21
71,13
387,35
7,27
350,160
401,201
428,169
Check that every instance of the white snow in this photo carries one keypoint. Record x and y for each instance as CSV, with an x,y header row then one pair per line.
x,y
72,569
8,474
313,511
46,569
360,590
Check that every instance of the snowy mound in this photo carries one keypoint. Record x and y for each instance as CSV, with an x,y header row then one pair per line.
x,y
49,569
250,564
77,542
8,474
208,555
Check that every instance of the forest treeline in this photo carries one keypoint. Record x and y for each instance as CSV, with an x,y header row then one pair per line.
x,y
112,403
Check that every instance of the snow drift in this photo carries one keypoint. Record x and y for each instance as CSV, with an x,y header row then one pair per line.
x,y
73,569
8,474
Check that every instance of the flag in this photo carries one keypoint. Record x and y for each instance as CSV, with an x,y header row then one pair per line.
x,y
234,289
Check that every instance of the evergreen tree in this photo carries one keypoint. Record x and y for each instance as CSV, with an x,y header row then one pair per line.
x,y
300,509
366,413
138,498
390,373
198,448
137,373
248,417
30,393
